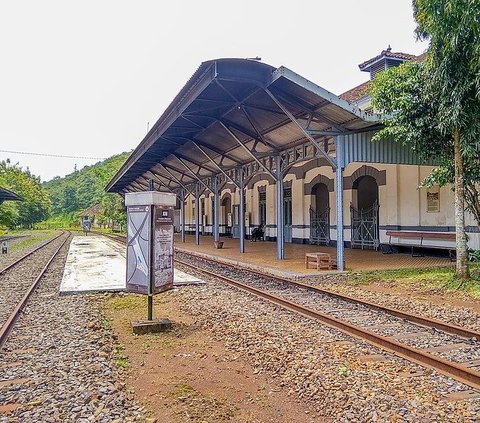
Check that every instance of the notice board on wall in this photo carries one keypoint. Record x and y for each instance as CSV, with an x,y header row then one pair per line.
x,y
433,199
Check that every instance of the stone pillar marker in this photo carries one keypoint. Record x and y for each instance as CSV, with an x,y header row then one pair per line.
x,y
150,250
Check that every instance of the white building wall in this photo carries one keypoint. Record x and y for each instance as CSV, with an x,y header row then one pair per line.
x,y
403,204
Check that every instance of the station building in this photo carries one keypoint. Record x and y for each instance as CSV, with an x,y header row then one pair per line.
x,y
300,154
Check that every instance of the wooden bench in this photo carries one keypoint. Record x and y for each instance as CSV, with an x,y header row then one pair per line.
x,y
320,261
443,236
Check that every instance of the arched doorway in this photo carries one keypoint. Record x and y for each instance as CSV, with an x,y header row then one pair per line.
x,y
320,215
364,213
227,214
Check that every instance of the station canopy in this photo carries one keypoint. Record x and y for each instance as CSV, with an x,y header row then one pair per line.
x,y
233,112
7,195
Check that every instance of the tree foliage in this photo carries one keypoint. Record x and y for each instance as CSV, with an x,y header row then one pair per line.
x,y
412,118
36,205
84,188
434,107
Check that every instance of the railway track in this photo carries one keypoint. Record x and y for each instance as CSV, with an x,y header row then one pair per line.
x,y
449,349
20,286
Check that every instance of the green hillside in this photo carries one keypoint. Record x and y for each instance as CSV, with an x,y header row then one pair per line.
x,y
82,189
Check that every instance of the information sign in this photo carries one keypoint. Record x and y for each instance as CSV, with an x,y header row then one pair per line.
x,y
138,236
163,248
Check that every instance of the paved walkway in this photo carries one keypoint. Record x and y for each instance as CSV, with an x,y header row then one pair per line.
x,y
96,264
263,254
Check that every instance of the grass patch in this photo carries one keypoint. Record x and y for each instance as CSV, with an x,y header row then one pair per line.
x,y
122,362
32,239
438,278
126,302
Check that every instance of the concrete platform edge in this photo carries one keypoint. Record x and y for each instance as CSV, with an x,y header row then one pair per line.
x,y
258,268
91,291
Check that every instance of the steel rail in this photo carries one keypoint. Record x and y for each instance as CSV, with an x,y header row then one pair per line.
x,y
451,369
448,368
30,253
7,326
423,321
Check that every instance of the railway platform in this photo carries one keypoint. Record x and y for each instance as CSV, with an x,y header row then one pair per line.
x,y
261,255
97,264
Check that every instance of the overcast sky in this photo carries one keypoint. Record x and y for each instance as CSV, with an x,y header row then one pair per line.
x,y
83,78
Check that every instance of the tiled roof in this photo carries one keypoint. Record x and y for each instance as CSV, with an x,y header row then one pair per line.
x,y
92,211
356,93
387,53
420,58
361,91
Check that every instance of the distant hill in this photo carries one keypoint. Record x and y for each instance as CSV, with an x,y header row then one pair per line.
x,y
84,188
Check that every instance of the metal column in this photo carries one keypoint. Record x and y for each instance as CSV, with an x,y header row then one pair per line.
x,y
279,209
197,214
182,215
339,146
216,210
242,213
151,255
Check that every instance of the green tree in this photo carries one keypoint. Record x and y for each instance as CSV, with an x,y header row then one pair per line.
x,y
68,200
434,107
35,205
113,211
453,66
84,188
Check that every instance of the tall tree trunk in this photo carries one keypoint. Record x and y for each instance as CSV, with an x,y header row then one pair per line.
x,y
462,271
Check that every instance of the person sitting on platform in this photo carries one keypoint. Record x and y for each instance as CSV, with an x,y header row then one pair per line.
x,y
258,233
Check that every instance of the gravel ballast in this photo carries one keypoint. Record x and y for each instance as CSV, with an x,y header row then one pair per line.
x,y
66,358
345,378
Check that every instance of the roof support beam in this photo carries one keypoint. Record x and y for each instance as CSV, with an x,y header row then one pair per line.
x,y
254,136
263,109
215,163
248,150
307,109
259,137
178,171
156,177
301,128
215,150
191,171
184,187
159,177
254,126
137,185
200,166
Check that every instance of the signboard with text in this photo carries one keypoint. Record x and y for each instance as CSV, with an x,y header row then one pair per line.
x,y
138,237
139,232
163,248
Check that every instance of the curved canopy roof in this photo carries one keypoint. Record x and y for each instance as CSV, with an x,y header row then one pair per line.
x,y
6,194
232,112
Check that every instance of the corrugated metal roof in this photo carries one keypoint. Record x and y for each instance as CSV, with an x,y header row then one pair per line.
x,y
231,93
6,194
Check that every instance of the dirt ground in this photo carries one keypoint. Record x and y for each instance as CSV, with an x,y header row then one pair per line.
x,y
186,376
